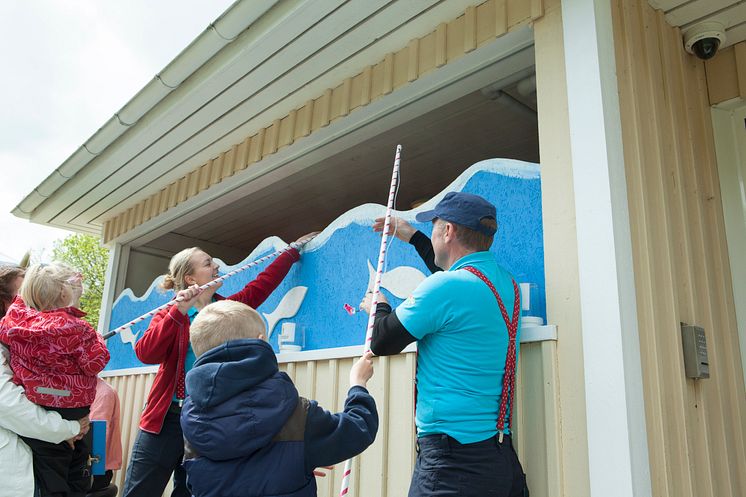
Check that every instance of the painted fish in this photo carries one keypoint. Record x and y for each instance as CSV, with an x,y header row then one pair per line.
x,y
400,281
127,336
287,308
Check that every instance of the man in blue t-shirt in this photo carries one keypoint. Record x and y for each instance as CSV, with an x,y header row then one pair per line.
x,y
463,342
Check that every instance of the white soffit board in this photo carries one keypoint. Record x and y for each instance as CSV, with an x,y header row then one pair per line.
x,y
688,13
296,50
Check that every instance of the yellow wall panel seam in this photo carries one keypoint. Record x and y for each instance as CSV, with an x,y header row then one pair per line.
x,y
388,73
322,109
537,9
257,144
138,213
414,60
307,118
740,53
181,196
130,218
441,44
470,29
367,81
171,194
346,97
193,183
216,169
244,149
107,232
229,162
272,138
501,17
292,121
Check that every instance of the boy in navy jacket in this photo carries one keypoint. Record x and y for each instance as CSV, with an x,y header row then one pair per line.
x,y
247,431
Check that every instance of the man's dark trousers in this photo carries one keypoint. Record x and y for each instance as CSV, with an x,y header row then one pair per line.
x,y
447,468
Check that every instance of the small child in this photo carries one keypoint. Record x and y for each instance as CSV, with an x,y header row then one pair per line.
x,y
247,431
55,356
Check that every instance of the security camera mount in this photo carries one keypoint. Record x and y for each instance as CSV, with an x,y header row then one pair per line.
x,y
710,35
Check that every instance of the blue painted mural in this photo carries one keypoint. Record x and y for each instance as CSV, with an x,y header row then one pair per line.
x,y
335,268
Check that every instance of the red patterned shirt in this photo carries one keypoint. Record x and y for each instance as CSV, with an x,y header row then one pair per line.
x,y
55,355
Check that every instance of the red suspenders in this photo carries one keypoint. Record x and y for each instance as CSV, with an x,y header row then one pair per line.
x,y
506,397
510,357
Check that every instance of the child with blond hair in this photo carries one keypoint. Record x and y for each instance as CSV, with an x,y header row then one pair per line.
x,y
55,355
247,430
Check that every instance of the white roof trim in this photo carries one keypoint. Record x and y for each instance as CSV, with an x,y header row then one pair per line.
x,y
221,32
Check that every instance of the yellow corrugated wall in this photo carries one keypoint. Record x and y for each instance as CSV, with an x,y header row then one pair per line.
x,y
384,470
696,429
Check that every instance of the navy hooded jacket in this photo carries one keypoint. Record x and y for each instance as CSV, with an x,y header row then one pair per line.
x,y
249,434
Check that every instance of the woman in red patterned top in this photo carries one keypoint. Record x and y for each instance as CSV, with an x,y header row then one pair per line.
x,y
55,356
159,447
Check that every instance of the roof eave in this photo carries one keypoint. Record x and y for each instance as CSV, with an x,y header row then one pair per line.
x,y
226,28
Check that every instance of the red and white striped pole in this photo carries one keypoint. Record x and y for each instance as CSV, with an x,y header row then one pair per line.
x,y
376,290
295,245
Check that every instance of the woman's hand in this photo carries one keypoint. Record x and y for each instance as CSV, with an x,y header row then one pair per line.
x,y
398,227
85,426
306,238
189,297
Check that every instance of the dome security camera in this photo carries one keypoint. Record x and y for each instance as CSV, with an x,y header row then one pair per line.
x,y
704,39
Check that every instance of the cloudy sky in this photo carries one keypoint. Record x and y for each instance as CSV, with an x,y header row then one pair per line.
x,y
67,67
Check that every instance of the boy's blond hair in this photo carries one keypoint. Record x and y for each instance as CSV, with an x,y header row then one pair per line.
x,y
46,286
222,322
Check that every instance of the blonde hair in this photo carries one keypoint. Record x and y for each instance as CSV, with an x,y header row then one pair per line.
x,y
44,286
222,322
178,269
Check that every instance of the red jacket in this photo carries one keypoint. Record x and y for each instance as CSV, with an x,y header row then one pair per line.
x,y
166,340
53,350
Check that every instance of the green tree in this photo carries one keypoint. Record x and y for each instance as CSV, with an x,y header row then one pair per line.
x,y
85,254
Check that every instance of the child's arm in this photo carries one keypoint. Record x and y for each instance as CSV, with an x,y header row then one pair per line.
x,y
93,355
332,438
21,416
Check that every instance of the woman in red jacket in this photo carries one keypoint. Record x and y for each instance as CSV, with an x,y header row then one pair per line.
x,y
159,448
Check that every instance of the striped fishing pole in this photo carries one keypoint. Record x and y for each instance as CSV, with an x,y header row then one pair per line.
x,y
294,245
345,488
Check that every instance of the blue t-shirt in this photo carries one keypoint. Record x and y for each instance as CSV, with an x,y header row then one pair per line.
x,y
462,343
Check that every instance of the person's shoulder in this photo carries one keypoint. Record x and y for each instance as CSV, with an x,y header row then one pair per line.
x,y
105,390
440,278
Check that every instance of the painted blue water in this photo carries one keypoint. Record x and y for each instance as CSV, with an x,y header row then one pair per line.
x,y
337,273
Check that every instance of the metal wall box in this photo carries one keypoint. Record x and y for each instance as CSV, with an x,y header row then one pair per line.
x,y
696,364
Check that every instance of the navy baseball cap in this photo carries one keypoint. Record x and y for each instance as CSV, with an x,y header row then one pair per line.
x,y
462,208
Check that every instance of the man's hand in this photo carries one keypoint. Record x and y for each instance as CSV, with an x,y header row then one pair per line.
x,y
318,472
362,370
398,227
368,301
